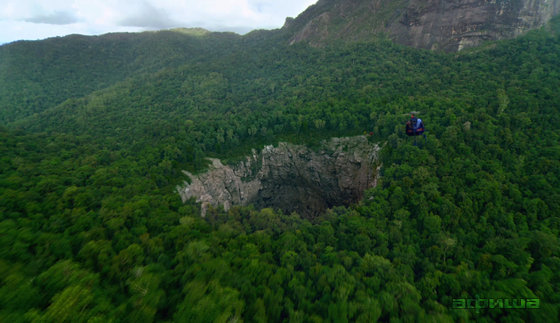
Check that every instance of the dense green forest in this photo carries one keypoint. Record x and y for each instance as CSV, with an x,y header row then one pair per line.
x,y
92,229
38,75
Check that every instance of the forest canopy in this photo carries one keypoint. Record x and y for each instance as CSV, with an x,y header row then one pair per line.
x,y
92,229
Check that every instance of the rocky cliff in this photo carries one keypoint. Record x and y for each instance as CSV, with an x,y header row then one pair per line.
x,y
290,177
448,25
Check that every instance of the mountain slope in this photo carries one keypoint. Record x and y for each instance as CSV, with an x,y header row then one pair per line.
x,y
447,25
40,74
269,92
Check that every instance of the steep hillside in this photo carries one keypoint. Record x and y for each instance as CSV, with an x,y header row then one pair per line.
x,y
447,25
41,74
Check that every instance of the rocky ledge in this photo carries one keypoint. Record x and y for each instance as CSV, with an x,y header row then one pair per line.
x,y
293,178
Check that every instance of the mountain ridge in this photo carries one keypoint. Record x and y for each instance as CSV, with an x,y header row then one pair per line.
x,y
60,68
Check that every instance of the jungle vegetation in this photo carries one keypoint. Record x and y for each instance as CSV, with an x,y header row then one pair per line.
x,y
92,229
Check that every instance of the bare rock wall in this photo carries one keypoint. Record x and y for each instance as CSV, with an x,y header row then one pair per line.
x,y
290,177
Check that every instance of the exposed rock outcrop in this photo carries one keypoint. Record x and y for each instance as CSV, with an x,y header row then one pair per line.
x,y
290,177
448,25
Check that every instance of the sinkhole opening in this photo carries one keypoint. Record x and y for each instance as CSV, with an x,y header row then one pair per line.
x,y
292,178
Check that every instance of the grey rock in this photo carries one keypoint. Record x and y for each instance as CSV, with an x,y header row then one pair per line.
x,y
448,25
290,177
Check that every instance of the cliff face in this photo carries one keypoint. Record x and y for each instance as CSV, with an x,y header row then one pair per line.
x,y
448,25
290,177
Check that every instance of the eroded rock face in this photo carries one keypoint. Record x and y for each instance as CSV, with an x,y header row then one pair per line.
x,y
448,25
290,177
453,25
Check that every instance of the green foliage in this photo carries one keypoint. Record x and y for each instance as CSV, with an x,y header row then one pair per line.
x,y
91,228
35,76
